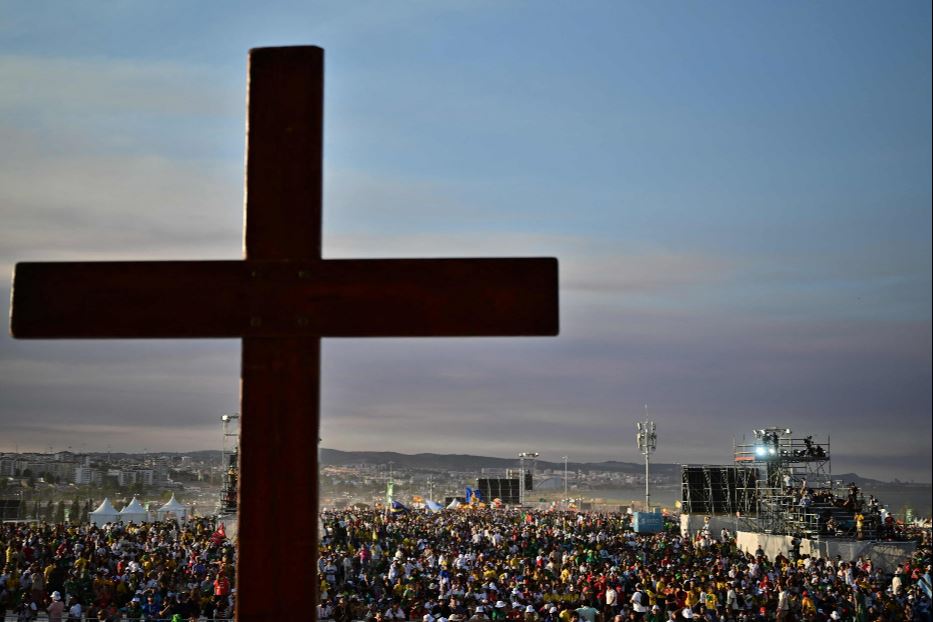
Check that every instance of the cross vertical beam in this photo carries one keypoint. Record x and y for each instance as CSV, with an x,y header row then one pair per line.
x,y
280,379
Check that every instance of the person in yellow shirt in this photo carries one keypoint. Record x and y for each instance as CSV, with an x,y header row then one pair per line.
x,y
652,594
711,599
693,597
807,606
565,575
10,553
660,586
12,580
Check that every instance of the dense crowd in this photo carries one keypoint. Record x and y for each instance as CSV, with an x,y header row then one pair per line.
x,y
116,573
459,566
497,566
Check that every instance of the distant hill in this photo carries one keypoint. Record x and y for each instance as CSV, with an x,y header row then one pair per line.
x,y
471,463
467,462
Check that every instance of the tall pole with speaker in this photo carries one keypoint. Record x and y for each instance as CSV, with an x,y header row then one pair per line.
x,y
647,443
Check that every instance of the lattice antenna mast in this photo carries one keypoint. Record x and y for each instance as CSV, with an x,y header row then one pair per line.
x,y
647,444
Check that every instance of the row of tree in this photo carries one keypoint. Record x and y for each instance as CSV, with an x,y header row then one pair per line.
x,y
56,511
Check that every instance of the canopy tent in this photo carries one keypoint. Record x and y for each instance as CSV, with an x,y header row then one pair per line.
x,y
172,510
134,512
105,513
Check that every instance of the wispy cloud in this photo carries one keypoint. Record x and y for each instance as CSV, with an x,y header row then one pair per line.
x,y
101,86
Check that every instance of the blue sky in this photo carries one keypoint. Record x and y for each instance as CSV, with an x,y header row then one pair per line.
x,y
738,194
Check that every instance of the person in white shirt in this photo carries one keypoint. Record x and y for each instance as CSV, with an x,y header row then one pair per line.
x,y
638,600
612,601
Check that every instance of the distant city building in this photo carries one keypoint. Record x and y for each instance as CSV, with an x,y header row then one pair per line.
x,y
86,476
7,467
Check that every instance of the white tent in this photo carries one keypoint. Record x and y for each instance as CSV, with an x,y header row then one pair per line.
x,y
105,513
134,512
172,510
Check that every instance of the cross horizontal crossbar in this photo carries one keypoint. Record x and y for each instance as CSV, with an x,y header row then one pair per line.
x,y
325,298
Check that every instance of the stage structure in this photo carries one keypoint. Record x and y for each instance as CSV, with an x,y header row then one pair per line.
x,y
793,488
718,489
506,489
778,496
229,466
778,484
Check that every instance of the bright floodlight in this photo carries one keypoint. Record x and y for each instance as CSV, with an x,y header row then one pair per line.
x,y
760,451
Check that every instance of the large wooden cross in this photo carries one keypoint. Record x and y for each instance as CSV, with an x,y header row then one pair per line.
x,y
281,300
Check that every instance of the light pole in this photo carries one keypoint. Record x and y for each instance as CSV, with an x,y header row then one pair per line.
x,y
647,443
390,487
521,475
225,423
565,478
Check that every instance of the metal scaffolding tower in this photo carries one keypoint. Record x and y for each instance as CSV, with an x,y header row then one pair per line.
x,y
788,469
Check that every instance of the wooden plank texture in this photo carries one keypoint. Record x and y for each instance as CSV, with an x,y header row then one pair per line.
x,y
333,298
280,377
278,488
284,138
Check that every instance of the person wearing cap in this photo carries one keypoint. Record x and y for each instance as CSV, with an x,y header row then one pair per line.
x,y
654,614
134,611
639,601
499,611
807,606
56,608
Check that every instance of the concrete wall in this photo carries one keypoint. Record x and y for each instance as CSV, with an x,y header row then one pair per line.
x,y
884,555
690,524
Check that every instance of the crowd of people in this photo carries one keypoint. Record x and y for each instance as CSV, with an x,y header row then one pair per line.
x,y
508,565
476,565
116,573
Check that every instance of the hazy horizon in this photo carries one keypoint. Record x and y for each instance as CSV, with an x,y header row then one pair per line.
x,y
738,195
